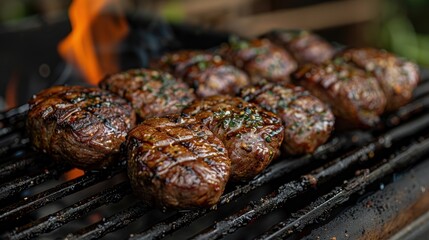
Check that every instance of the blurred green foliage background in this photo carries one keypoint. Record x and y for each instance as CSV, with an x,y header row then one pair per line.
x,y
404,29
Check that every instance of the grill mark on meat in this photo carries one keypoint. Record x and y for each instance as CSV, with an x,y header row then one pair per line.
x,y
91,109
151,93
243,128
83,126
261,59
215,78
307,121
88,110
186,163
354,96
207,73
179,61
396,77
185,141
175,141
305,46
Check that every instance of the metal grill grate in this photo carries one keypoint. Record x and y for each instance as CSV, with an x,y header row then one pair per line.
x,y
306,189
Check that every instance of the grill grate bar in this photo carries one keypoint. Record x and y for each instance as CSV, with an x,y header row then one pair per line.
x,y
73,212
34,202
8,169
12,114
366,153
12,188
15,143
12,120
406,112
421,90
319,176
112,223
323,205
10,129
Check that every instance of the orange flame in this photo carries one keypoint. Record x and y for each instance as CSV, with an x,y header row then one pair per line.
x,y
11,91
97,29
73,173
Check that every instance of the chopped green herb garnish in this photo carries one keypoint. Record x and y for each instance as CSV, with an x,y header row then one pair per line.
x,y
202,65
237,43
249,117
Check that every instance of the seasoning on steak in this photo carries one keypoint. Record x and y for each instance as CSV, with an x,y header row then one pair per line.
x,y
208,74
176,162
305,46
177,62
307,121
397,77
352,94
215,77
251,135
82,126
151,93
261,59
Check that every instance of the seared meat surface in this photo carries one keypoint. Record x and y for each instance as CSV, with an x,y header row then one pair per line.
x,y
352,94
83,126
215,77
261,59
151,93
251,135
397,77
176,162
208,74
307,121
305,46
177,62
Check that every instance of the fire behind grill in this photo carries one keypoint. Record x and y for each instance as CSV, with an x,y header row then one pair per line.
x,y
290,198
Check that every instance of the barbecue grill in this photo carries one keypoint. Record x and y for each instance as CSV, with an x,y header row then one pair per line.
x,y
297,194
359,184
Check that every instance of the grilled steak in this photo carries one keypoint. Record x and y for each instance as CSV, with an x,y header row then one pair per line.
x,y
208,74
83,126
261,59
251,135
151,93
177,62
353,95
307,121
305,46
397,78
215,77
176,162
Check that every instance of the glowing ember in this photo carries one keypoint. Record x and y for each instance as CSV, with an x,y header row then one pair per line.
x,y
11,91
97,29
73,173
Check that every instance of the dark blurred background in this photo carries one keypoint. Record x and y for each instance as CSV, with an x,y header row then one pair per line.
x,y
30,30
